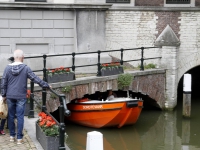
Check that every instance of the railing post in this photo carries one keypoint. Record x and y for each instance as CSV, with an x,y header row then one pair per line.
x,y
31,112
44,69
121,61
44,93
73,61
62,124
99,64
142,59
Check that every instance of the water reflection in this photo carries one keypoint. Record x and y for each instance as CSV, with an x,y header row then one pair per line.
x,y
155,130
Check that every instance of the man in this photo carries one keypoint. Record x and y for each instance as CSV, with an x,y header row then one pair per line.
x,y
14,90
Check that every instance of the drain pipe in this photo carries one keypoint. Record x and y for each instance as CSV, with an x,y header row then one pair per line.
x,y
187,95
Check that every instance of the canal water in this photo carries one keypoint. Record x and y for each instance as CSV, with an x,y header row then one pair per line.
x,y
155,130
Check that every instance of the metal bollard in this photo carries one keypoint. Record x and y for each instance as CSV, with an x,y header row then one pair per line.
x,y
94,141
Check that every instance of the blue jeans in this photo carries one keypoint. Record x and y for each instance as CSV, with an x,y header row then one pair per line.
x,y
3,121
16,109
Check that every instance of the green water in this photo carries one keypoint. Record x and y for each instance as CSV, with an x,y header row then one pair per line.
x,y
155,130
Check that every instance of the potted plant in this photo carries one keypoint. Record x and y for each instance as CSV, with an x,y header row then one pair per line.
x,y
67,90
47,132
60,75
124,81
112,68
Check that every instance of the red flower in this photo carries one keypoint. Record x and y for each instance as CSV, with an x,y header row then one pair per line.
x,y
28,94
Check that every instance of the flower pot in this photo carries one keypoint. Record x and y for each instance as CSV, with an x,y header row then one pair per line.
x,y
61,77
112,71
47,142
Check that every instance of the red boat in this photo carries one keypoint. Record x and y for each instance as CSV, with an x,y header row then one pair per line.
x,y
110,113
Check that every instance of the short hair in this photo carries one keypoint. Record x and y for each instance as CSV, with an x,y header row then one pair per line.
x,y
18,53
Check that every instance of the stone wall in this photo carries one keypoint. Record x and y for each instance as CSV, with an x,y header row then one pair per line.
x,y
36,33
132,29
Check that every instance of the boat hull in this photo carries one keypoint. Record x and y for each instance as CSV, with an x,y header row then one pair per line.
x,y
98,114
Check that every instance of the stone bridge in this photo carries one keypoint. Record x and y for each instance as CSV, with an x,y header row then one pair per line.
x,y
149,82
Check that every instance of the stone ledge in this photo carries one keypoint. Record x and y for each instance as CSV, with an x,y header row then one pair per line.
x,y
52,6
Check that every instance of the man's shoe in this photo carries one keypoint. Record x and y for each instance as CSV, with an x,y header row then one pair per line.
x,y
2,132
20,141
12,139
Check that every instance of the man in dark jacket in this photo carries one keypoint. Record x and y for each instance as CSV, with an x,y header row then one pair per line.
x,y
14,89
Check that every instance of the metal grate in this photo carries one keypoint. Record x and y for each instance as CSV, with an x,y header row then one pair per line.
x,y
117,1
177,1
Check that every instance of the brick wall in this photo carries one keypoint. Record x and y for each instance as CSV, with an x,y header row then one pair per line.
x,y
197,3
131,29
168,18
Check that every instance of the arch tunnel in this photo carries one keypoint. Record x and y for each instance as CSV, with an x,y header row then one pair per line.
x,y
195,86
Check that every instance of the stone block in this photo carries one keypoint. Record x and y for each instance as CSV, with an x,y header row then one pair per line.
x,y
5,49
33,49
68,49
64,24
64,41
53,32
5,41
9,14
69,32
68,15
53,15
29,14
3,23
58,49
10,32
20,23
42,23
31,32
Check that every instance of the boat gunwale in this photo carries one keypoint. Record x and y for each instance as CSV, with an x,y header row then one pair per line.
x,y
94,110
102,102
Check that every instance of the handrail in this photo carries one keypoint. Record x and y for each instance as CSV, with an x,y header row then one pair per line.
x,y
62,111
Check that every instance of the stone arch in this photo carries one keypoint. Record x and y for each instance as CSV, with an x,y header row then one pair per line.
x,y
186,64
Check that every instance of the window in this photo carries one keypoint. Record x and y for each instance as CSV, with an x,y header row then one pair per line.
x,y
177,1
30,0
117,1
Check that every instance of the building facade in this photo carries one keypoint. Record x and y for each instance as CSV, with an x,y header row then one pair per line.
x,y
54,27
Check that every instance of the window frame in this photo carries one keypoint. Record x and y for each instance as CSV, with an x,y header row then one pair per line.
x,y
191,4
177,2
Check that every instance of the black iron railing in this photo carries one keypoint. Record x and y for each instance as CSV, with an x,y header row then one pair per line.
x,y
177,1
63,111
73,67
